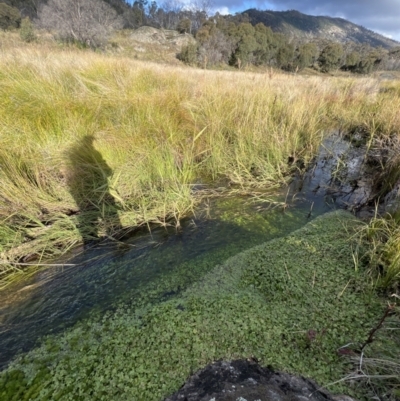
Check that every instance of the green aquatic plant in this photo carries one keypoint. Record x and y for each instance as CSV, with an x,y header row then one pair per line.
x,y
291,303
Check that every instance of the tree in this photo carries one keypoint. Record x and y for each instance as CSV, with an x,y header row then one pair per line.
x,y
352,61
285,56
307,55
393,62
265,49
120,6
139,13
27,8
331,57
203,6
9,17
215,49
198,11
85,21
245,44
26,32
152,14
169,13
369,61
184,25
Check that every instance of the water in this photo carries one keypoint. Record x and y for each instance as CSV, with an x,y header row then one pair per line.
x,y
111,273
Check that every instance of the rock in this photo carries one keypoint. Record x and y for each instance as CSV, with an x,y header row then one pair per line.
x,y
168,38
246,380
386,76
147,34
392,199
348,173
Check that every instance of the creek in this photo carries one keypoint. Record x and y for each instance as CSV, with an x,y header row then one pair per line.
x,y
109,274
266,279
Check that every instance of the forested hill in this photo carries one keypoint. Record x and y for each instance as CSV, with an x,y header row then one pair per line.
x,y
307,27
167,14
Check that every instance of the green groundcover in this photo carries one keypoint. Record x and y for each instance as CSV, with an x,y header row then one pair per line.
x,y
291,303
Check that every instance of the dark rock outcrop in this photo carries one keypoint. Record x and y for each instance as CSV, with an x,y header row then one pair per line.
x,y
350,174
244,380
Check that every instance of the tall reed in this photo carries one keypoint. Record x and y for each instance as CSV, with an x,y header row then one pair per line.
x,y
160,129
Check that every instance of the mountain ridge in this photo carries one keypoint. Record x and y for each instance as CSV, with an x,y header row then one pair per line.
x,y
309,27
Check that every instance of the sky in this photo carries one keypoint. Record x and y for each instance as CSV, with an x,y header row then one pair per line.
x,y
382,16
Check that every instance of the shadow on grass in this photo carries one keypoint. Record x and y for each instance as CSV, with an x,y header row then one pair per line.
x,y
88,184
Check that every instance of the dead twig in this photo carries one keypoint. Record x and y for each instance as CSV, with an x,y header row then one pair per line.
x,y
370,338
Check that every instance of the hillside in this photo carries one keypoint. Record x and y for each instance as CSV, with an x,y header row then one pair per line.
x,y
149,44
303,26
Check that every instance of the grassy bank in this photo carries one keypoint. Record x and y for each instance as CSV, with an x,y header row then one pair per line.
x,y
292,303
156,131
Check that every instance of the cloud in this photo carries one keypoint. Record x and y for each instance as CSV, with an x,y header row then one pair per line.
x,y
382,16
222,10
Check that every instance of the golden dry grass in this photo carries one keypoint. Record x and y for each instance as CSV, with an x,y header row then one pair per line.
x,y
160,129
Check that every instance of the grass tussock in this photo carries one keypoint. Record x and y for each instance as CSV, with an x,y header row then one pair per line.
x,y
158,129
383,236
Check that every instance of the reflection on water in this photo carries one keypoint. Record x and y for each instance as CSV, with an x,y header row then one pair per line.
x,y
112,272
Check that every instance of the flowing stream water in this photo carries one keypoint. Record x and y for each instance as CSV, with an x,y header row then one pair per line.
x,y
109,273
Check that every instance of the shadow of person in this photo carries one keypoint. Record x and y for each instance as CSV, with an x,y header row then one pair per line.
x,y
87,180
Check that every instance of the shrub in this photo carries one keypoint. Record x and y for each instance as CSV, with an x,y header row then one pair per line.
x,y
26,32
188,54
184,25
10,17
331,57
88,22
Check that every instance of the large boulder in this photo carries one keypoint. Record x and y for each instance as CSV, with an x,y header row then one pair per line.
x,y
147,34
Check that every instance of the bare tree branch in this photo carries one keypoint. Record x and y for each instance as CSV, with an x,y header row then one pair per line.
x,y
85,21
